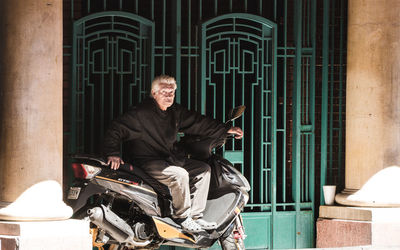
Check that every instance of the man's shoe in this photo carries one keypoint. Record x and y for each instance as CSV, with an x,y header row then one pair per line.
x,y
189,225
206,225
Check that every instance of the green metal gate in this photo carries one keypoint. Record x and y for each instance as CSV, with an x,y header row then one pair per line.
x,y
239,68
223,53
112,70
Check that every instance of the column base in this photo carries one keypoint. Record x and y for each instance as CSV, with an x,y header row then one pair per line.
x,y
381,190
350,197
46,235
339,226
42,201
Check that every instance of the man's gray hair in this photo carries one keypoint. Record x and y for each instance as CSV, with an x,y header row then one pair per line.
x,y
155,84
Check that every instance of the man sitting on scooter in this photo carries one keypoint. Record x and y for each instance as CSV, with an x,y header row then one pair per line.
x,y
151,128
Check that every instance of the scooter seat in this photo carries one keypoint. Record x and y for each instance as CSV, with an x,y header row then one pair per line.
x,y
158,187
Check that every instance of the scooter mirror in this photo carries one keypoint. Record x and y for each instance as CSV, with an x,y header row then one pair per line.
x,y
235,113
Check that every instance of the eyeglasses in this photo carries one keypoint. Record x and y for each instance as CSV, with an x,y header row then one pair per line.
x,y
167,92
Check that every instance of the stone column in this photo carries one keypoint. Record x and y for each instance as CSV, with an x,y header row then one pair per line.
x,y
31,110
373,104
369,212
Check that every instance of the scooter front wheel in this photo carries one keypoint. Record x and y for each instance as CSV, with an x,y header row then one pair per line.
x,y
235,240
230,243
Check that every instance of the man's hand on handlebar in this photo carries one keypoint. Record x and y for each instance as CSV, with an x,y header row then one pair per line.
x,y
236,131
114,162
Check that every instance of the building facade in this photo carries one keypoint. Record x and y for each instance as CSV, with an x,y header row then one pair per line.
x,y
314,75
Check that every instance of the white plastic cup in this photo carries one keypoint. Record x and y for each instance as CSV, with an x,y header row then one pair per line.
x,y
329,194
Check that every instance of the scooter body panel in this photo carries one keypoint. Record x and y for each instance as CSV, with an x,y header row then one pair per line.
x,y
222,207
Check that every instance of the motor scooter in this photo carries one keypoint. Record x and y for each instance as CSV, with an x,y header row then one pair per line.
x,y
128,209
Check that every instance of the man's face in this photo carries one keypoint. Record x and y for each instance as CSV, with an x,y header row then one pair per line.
x,y
164,96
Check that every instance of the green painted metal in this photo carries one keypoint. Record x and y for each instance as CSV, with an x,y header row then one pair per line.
x,y
324,94
257,236
297,84
110,72
303,116
285,225
333,88
217,82
238,57
178,52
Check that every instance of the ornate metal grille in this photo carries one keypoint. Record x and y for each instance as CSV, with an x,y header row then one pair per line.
x,y
238,69
113,65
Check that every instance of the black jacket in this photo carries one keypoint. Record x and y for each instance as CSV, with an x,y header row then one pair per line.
x,y
152,132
